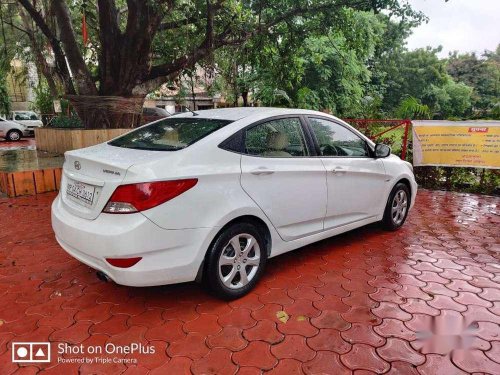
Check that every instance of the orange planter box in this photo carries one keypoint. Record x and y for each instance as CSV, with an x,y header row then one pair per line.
x,y
15,184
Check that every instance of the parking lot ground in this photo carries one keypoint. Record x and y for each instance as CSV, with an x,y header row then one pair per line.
x,y
425,299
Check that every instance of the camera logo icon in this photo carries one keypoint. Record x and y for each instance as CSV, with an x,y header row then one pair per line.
x,y
29,352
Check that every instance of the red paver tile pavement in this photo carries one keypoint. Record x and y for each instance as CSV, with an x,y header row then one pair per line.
x,y
358,302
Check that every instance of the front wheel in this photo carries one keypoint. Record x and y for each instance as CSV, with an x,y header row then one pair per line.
x,y
235,261
14,135
397,207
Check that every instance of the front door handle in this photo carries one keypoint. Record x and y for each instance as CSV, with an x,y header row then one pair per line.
x,y
262,171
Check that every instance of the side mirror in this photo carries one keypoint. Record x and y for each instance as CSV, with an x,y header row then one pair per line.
x,y
382,150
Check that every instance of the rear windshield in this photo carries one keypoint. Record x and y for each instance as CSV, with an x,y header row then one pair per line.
x,y
170,134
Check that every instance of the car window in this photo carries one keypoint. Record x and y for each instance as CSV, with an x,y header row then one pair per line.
x,y
22,116
170,134
161,111
276,138
337,140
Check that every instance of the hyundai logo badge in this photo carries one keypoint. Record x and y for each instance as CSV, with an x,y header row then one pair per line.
x,y
78,166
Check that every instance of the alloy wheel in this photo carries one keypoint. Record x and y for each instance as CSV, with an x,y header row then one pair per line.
x,y
14,136
399,207
239,261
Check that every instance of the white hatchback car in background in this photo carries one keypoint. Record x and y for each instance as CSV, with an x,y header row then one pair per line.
x,y
13,131
28,118
212,195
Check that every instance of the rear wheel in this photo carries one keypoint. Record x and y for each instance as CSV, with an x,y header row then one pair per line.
x,y
235,261
14,135
397,207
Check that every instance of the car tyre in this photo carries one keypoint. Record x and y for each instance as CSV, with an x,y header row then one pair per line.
x,y
235,261
396,210
14,135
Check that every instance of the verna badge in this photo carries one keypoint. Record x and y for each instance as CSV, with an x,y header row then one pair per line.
x,y
78,166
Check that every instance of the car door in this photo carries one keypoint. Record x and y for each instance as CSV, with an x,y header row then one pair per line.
x,y
282,176
355,179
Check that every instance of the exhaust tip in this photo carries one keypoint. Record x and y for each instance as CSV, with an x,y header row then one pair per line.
x,y
102,276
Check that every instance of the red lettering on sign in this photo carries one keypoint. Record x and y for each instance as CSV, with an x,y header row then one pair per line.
x,y
478,130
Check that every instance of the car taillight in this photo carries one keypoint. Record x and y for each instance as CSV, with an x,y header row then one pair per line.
x,y
139,197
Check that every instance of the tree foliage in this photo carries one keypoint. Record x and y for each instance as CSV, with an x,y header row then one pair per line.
x,y
483,75
412,108
43,98
459,87
335,70
4,97
137,45
412,74
451,100
324,68
344,56
141,44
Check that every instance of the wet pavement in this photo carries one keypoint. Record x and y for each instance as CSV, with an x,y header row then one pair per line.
x,y
23,156
23,144
425,299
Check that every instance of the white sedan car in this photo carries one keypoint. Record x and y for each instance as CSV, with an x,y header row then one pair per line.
x,y
210,196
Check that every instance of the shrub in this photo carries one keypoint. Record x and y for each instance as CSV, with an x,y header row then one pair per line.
x,y
66,122
44,102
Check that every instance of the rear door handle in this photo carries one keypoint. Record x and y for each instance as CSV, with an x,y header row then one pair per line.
x,y
339,170
262,171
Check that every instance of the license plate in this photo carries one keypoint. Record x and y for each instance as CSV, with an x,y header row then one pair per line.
x,y
80,192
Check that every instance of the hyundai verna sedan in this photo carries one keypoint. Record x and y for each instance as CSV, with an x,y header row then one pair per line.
x,y
210,196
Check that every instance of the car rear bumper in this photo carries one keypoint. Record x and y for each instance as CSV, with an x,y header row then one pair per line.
x,y
168,256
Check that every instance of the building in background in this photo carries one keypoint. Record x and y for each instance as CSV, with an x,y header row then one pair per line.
x,y
174,100
21,81
188,92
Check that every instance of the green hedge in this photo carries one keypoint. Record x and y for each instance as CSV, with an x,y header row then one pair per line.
x,y
72,122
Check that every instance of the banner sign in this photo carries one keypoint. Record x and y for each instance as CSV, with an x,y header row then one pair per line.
x,y
457,143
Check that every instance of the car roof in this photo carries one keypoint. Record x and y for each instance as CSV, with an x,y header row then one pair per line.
x,y
238,113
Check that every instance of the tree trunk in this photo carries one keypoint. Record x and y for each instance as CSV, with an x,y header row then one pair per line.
x,y
108,112
193,93
81,73
244,95
236,90
41,63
